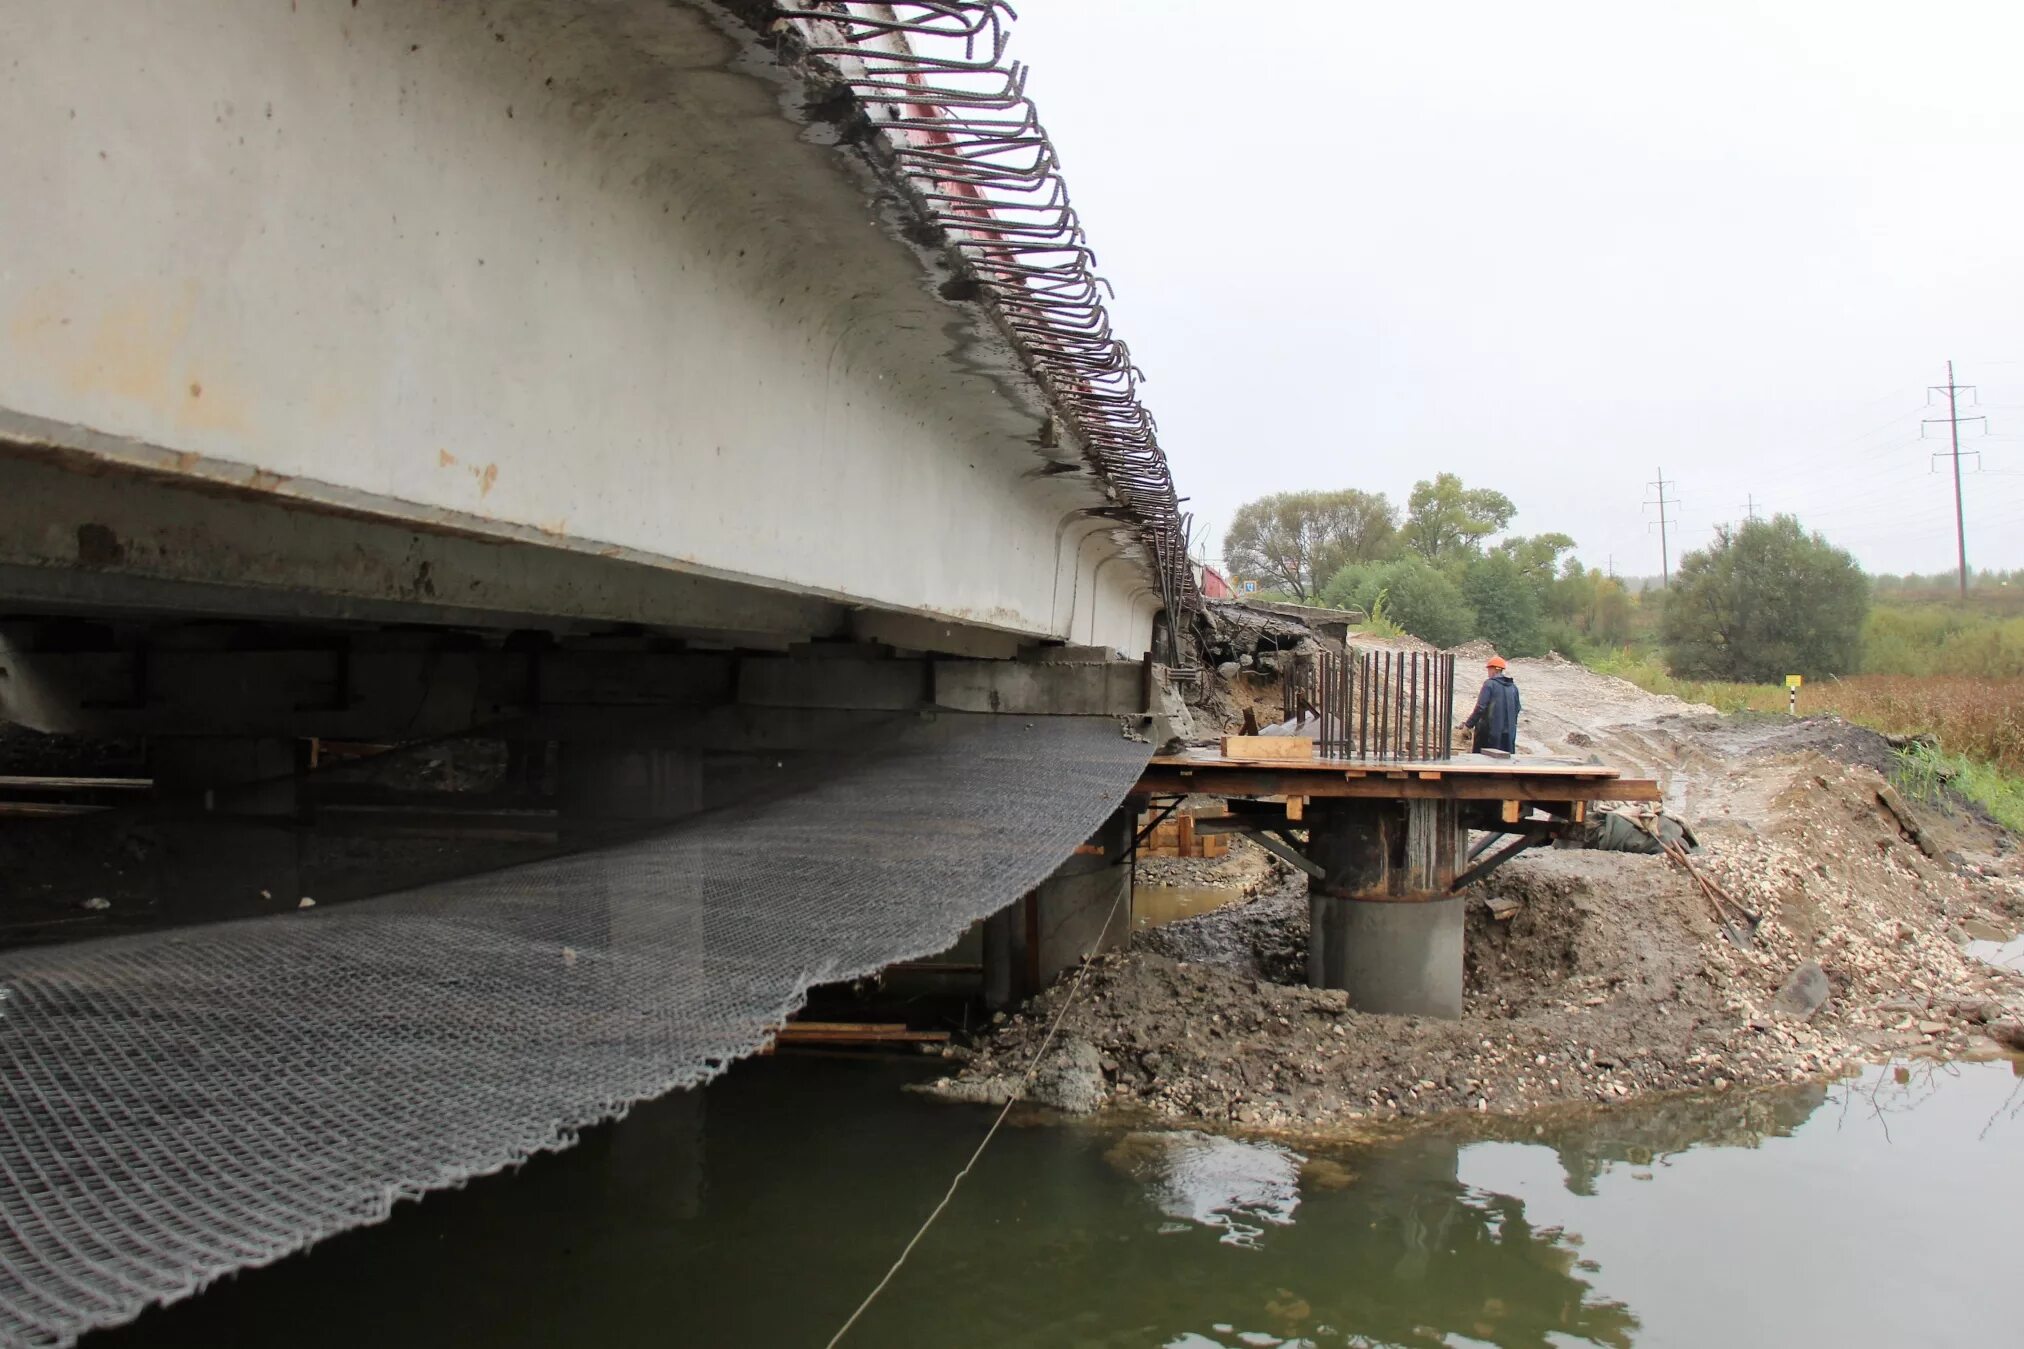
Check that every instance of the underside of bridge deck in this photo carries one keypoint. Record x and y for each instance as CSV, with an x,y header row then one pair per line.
x,y
546,315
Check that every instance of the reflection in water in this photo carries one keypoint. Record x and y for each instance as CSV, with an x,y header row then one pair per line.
x,y
1213,1181
758,1212
1403,1254
1663,1128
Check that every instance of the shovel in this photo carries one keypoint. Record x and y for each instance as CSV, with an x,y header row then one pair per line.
x,y
1718,899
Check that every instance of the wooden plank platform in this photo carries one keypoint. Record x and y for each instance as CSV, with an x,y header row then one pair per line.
x,y
1467,779
1467,765
1267,748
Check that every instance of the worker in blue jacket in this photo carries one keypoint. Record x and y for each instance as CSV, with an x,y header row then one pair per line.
x,y
1495,720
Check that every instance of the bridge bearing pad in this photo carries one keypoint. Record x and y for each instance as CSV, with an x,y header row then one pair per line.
x,y
1383,927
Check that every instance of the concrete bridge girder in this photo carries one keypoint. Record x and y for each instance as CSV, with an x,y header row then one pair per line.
x,y
218,680
579,279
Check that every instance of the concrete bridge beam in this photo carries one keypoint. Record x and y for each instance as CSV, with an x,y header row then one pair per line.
x,y
546,314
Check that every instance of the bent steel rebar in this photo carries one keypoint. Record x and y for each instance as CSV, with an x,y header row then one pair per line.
x,y
964,141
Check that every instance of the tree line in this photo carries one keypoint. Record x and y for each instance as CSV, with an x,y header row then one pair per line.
x,y
1765,599
1431,568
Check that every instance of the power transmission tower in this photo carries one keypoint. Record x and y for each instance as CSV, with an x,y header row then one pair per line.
x,y
1750,510
1953,419
1662,501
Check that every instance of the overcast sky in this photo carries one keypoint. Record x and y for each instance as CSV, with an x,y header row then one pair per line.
x,y
1555,247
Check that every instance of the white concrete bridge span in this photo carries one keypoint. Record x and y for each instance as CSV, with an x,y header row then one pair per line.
x,y
448,453
543,312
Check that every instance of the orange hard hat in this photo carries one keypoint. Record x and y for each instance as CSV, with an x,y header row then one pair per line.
x,y
1496,662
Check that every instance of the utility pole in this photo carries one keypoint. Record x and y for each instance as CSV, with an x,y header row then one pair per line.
x,y
1953,420
1662,501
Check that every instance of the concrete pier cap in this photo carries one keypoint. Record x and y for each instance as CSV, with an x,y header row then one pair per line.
x,y
1384,927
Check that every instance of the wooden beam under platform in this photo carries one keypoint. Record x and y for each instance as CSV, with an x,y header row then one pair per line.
x,y
1176,776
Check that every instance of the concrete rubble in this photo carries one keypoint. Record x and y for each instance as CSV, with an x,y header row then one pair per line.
x,y
1592,977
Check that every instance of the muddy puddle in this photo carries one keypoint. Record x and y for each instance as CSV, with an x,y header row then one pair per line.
x,y
1883,1210
1157,905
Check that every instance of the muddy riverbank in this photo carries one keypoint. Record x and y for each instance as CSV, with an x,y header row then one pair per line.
x,y
1596,977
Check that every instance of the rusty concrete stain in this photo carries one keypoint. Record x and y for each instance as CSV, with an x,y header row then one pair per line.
x,y
484,475
134,349
42,314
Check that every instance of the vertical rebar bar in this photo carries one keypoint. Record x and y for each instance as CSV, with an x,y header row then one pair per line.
x,y
1394,705
1403,722
1321,706
1342,705
1430,736
1316,700
1384,686
1425,724
1450,723
1447,707
1369,693
1413,721
1421,698
1433,711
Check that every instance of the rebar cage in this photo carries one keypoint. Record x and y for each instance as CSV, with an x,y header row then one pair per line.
x,y
1395,705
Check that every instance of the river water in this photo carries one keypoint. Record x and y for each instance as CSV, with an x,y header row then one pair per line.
x,y
1888,1210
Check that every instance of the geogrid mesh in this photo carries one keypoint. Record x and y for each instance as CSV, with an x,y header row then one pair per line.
x,y
178,1105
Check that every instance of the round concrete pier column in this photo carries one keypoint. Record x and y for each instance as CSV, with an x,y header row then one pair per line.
x,y
1384,928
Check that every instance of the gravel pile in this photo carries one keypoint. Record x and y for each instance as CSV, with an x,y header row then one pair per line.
x,y
1593,977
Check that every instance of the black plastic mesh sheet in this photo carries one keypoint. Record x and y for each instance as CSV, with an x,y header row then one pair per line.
x,y
179,1105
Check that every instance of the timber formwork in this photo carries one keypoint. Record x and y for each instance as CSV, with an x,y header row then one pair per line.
x,y
1386,849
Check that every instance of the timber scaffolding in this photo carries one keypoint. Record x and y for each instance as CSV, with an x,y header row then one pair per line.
x,y
1377,811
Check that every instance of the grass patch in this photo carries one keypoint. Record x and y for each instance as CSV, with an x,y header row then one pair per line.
x,y
1974,718
1927,775
1943,639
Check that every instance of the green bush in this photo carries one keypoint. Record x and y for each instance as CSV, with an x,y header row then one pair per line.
x,y
1417,596
1564,638
1764,601
1506,602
